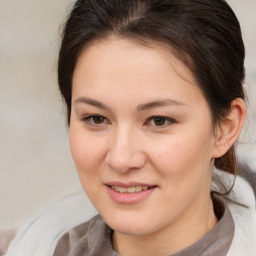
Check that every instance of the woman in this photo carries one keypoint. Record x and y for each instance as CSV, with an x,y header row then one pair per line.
x,y
154,101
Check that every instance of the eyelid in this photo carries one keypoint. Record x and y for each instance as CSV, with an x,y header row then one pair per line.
x,y
168,119
88,120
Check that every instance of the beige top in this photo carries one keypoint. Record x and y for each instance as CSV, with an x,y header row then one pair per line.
x,y
94,238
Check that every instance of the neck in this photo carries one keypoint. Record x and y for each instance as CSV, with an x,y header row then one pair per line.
x,y
172,239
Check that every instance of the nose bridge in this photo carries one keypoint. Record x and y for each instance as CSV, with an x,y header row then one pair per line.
x,y
125,151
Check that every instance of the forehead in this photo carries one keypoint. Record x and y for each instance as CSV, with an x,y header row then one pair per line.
x,y
127,67
134,53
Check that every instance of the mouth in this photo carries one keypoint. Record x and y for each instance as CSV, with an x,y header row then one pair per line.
x,y
130,190
131,193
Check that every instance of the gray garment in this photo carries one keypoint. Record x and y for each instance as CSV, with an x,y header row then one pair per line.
x,y
94,238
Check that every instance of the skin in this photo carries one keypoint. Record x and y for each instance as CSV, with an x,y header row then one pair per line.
x,y
116,78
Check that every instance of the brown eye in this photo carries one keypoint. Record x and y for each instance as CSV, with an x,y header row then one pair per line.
x,y
98,119
159,121
95,120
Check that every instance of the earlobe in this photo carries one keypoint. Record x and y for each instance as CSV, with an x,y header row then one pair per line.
x,y
229,128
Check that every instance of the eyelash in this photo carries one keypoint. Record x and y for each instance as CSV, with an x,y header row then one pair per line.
x,y
89,120
167,120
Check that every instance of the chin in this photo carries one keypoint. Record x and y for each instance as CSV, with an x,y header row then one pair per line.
x,y
130,224
131,229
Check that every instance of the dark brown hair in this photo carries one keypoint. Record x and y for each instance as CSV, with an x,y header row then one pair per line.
x,y
204,34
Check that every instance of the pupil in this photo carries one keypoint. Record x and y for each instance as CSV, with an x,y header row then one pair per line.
x,y
159,121
98,119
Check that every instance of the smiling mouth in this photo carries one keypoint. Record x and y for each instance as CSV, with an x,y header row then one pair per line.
x,y
129,193
131,190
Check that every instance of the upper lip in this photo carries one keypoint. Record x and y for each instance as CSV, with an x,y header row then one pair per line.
x,y
128,184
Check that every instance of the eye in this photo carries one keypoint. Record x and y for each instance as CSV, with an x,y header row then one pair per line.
x,y
160,121
95,120
98,119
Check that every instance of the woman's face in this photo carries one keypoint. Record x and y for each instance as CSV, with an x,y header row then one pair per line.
x,y
141,136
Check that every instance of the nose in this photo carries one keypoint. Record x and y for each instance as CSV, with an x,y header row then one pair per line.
x,y
125,152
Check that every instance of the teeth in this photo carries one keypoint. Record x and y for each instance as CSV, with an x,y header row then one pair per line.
x,y
138,188
130,189
122,190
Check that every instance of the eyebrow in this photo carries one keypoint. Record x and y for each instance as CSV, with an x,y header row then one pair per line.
x,y
160,103
92,102
141,107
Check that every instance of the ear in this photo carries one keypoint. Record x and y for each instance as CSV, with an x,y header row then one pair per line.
x,y
229,129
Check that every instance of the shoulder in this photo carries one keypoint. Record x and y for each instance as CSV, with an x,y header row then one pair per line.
x,y
40,234
242,206
6,236
78,238
93,237
241,202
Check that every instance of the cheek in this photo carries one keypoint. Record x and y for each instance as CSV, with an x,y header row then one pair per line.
x,y
88,152
184,165
183,154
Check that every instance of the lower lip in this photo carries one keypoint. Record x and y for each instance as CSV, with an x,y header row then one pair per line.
x,y
129,198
